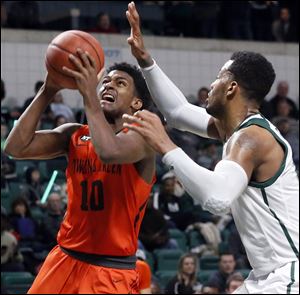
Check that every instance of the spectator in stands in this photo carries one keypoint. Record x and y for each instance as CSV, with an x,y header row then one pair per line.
x,y
8,170
236,247
188,141
8,166
47,116
28,101
185,281
15,113
210,288
174,203
51,220
33,189
202,95
60,120
24,15
155,286
11,258
154,232
233,282
104,24
261,19
282,28
58,108
22,222
209,156
144,271
269,108
5,115
226,268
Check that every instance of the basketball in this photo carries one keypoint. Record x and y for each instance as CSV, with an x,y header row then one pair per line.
x,y
57,55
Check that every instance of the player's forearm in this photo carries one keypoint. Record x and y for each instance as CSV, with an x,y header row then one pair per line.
x,y
102,135
24,129
214,190
178,112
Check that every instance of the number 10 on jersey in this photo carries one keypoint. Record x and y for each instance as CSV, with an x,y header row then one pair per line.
x,y
95,201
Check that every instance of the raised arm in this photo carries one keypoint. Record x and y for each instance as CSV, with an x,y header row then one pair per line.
x,y
24,142
118,148
178,112
214,190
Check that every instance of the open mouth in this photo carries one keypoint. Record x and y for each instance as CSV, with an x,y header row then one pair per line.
x,y
107,97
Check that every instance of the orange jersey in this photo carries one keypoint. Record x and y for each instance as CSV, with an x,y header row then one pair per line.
x,y
106,202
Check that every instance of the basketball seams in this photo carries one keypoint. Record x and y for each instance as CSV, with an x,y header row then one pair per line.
x,y
92,45
61,48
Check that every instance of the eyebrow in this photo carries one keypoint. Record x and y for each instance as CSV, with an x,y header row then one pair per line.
x,y
117,78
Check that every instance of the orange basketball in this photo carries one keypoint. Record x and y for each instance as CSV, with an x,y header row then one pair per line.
x,y
57,55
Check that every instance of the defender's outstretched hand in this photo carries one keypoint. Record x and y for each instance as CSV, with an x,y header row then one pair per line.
x,y
150,127
135,40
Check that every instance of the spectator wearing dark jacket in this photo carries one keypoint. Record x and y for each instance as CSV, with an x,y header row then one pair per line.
x,y
22,222
226,268
52,219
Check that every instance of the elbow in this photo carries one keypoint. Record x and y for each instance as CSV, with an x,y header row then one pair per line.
x,y
217,206
9,149
108,157
12,149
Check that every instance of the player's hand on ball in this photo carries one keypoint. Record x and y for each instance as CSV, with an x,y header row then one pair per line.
x,y
136,39
85,74
149,126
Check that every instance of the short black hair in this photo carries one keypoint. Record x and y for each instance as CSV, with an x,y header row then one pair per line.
x,y
254,73
138,79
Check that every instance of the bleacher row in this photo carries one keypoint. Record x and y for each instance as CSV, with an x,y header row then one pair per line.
x,y
164,262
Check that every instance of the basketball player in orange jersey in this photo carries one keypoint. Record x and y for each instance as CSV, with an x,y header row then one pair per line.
x,y
110,173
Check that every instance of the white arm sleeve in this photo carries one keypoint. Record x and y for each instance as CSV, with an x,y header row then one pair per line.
x,y
214,190
178,112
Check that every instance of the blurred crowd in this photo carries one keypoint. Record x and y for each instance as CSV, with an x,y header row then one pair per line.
x,y
172,222
239,20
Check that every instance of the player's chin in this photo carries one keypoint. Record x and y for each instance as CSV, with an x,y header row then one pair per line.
x,y
105,105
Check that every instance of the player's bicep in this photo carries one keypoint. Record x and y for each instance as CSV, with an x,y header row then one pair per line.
x,y
243,150
48,144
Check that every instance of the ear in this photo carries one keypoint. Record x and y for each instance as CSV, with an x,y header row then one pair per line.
x,y
232,89
136,103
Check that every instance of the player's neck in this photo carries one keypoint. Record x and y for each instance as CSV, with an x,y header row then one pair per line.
x,y
235,117
117,126
115,123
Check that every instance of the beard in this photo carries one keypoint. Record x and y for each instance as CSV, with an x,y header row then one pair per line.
x,y
216,110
